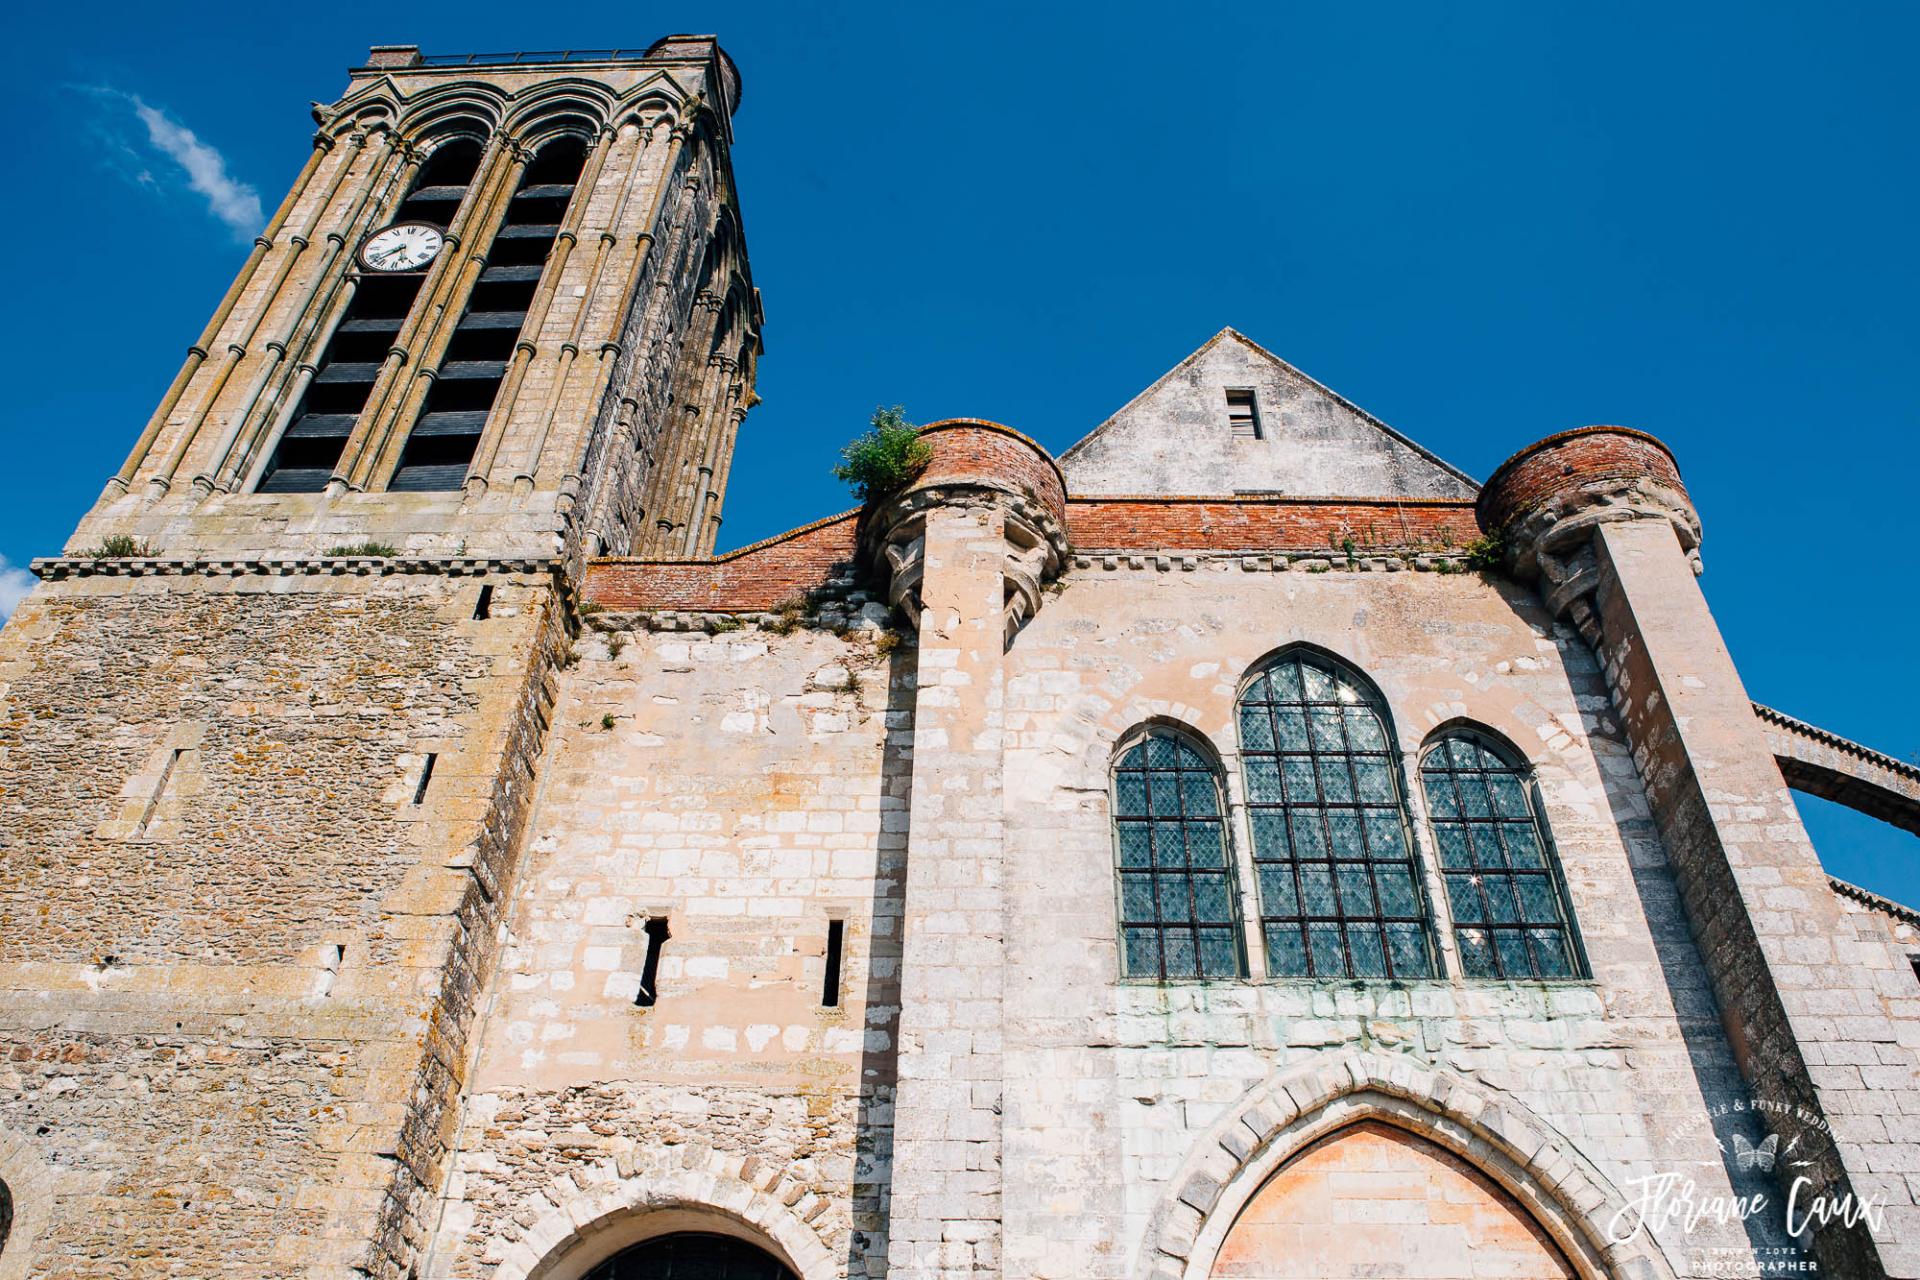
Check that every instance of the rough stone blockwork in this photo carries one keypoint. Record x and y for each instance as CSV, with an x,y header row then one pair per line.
x,y
211,840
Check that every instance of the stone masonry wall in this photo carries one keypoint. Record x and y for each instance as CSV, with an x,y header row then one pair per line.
x,y
230,940
1111,1082
747,787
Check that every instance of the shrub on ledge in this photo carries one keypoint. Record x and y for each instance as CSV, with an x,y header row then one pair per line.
x,y
885,458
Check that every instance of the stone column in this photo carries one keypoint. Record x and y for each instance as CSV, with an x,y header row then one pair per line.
x,y
1600,518
955,546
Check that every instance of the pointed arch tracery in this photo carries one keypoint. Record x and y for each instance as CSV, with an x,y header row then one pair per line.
x,y
1339,884
1492,1132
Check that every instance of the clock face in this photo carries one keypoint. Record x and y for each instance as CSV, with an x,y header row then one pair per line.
x,y
404,246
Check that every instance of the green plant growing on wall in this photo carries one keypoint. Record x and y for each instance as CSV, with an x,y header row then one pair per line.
x,y
885,458
121,546
1488,551
381,550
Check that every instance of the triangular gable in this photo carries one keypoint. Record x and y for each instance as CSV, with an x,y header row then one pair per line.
x,y
1177,437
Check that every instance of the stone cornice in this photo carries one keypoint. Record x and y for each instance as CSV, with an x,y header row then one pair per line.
x,y
56,568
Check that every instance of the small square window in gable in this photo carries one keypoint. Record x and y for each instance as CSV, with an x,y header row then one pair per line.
x,y
1243,413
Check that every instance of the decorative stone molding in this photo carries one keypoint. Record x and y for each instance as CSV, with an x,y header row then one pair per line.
x,y
55,568
596,1210
1493,1131
975,463
1548,499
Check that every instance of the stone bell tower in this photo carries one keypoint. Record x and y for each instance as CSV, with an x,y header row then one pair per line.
x,y
271,730
504,308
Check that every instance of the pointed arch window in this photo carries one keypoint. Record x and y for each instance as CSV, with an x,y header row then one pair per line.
x,y
309,450
1177,916
1340,893
446,435
1511,916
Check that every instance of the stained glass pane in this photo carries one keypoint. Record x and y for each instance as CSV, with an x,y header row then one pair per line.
x,y
1161,753
1344,826
1130,795
1164,794
1278,898
1219,956
1514,961
1285,680
1364,731
1336,783
1473,796
1550,953
1286,952
1198,795
1464,894
1509,797
1169,848
1292,726
1136,845
1385,841
1356,891
1501,907
1523,845
1204,848
1175,903
1136,897
1327,949
1263,782
1441,800
1395,885
1181,961
1369,954
1476,954
1319,685
1407,948
1143,952
1486,846
1299,776
1256,729
1316,890
1375,777
1537,905
1269,834
1455,851
1325,724
1211,902
1309,833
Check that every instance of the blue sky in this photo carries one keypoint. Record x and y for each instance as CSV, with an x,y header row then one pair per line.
x,y
1483,223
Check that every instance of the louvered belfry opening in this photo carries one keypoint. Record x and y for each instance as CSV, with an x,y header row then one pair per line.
x,y
345,373
441,446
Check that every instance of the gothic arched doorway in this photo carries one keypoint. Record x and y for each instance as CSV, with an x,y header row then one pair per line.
x,y
1374,1200
691,1255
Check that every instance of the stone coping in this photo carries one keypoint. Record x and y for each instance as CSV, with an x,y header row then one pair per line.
x,y
1828,738
53,568
1561,437
1873,901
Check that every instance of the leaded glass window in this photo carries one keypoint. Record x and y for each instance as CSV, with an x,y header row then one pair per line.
x,y
1511,917
1177,917
1340,893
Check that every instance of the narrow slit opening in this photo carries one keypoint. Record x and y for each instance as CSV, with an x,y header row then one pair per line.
x,y
836,941
426,776
483,607
657,936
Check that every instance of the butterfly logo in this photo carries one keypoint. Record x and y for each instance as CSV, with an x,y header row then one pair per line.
x,y
1761,1157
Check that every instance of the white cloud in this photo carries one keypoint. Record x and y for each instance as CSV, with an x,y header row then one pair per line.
x,y
15,582
230,200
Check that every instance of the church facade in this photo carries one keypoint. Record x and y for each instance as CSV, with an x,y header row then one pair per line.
x,y
1241,846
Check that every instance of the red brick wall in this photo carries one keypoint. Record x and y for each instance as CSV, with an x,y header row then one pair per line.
x,y
1264,524
969,449
1568,460
749,580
